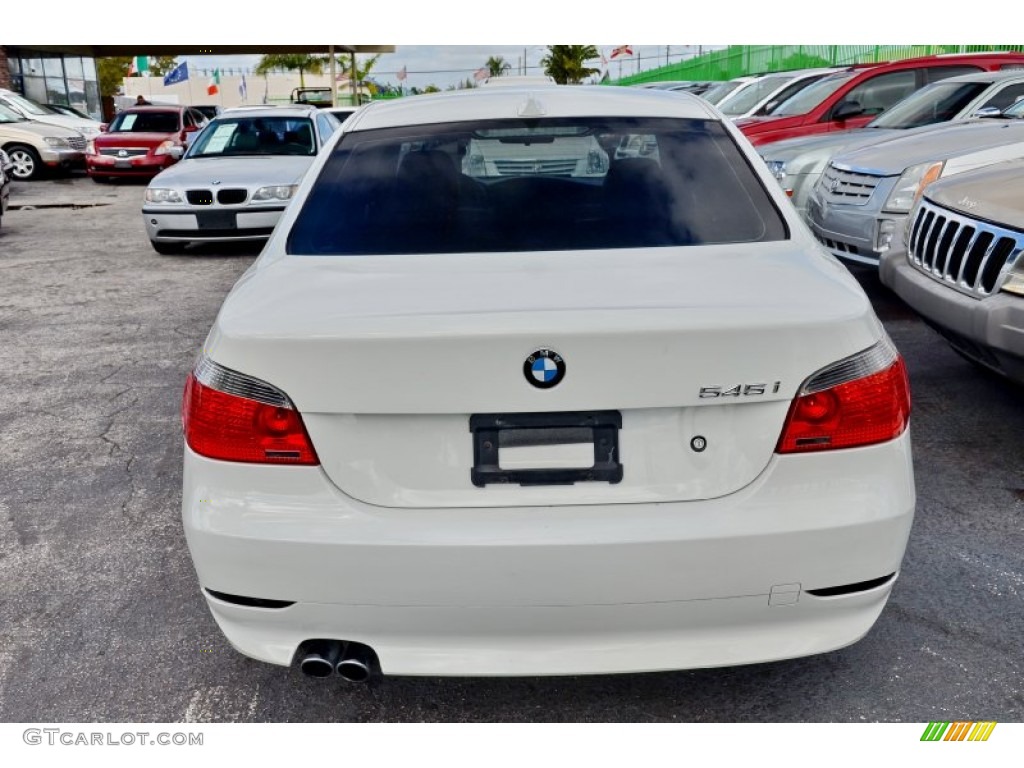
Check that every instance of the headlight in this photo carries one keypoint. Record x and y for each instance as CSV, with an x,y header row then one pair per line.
x,y
90,147
165,147
86,130
283,192
911,185
1014,282
157,195
54,141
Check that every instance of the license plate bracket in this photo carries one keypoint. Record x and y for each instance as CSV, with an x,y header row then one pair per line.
x,y
487,429
216,220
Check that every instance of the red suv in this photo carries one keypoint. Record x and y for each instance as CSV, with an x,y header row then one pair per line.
x,y
851,99
141,142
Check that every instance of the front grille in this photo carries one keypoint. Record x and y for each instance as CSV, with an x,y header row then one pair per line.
x,y
847,187
77,144
128,151
535,167
231,196
970,255
199,197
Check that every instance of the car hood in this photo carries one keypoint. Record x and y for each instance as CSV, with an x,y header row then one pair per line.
x,y
85,127
132,139
995,194
238,171
33,130
787,149
891,158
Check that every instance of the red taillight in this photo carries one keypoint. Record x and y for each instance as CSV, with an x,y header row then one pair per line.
x,y
223,426
867,410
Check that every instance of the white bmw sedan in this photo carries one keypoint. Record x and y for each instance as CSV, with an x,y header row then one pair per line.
x,y
571,412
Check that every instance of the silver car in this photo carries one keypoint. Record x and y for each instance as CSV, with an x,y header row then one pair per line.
x,y
858,209
963,271
236,178
798,163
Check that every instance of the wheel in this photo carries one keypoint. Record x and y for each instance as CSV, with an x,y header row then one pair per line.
x,y
100,179
168,249
27,164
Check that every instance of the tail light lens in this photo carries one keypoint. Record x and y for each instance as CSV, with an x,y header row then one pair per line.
x,y
862,400
229,416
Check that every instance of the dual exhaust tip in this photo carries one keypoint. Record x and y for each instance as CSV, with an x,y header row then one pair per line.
x,y
353,662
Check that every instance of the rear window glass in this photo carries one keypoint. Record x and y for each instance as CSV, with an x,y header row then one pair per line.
x,y
534,185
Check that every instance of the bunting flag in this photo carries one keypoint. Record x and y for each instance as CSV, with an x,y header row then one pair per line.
x,y
177,75
402,74
481,74
213,87
622,50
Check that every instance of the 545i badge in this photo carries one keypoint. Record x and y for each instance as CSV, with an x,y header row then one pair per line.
x,y
740,390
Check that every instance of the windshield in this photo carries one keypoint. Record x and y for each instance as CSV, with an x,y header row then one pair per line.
x,y
146,122
1016,111
937,103
716,93
255,136
27,105
811,96
10,116
534,185
750,95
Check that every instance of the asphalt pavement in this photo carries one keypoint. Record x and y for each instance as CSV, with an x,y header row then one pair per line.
x,y
101,618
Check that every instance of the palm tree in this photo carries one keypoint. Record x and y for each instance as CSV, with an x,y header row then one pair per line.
x,y
497,66
566,63
304,62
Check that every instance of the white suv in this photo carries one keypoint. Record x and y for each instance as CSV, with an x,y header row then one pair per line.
x,y
529,424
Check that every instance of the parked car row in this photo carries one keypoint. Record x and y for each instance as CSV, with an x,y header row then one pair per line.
x,y
928,191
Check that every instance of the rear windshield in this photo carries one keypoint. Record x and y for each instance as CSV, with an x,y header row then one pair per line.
x,y
146,122
748,97
534,185
811,96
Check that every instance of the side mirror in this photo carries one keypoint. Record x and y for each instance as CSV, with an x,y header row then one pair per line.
x,y
847,109
104,127
988,112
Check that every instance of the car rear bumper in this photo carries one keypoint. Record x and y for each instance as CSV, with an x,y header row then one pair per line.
x,y
193,226
554,590
62,158
989,330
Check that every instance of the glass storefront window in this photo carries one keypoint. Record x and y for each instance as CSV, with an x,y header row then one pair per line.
x,y
14,65
73,68
53,67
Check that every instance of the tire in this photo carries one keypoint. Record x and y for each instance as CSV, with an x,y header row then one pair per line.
x,y
168,249
27,164
100,179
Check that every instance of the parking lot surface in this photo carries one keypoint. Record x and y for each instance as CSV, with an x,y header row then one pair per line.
x,y
101,618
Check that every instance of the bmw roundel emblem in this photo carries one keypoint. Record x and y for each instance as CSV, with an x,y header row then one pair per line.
x,y
544,368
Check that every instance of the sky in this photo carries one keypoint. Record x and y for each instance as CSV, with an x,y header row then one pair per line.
x,y
450,65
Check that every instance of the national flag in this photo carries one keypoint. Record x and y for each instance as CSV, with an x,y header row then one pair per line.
x,y
481,74
213,87
622,50
177,75
139,66
402,74
243,90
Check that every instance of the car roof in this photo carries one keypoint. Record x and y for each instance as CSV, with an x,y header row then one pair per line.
x,y
548,101
269,110
994,76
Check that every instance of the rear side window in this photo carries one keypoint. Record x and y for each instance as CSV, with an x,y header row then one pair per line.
x,y
934,74
534,185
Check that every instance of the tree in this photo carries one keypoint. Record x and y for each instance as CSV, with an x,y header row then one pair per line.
x,y
303,62
497,66
111,71
161,65
567,63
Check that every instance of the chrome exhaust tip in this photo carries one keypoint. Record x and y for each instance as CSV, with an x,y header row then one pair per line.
x,y
357,663
320,660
